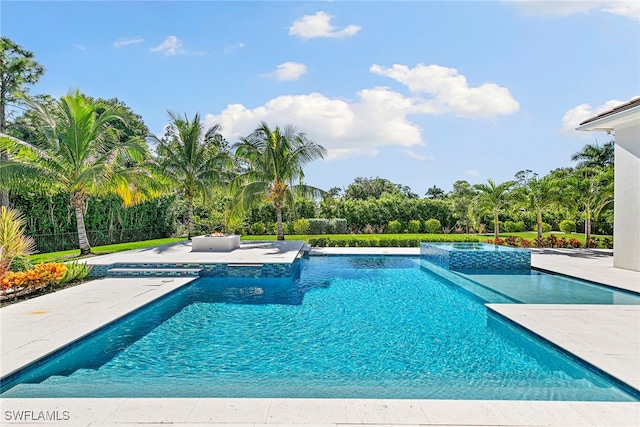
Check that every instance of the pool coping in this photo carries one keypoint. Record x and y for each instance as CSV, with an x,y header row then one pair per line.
x,y
307,411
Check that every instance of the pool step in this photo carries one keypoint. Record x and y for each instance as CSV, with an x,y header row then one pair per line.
x,y
153,272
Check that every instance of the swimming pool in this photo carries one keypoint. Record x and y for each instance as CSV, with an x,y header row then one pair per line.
x,y
347,327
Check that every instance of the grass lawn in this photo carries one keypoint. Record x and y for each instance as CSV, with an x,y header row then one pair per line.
x,y
74,254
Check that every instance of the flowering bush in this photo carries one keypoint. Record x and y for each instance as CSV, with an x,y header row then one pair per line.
x,y
40,276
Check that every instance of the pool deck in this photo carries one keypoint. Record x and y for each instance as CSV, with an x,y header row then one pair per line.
x,y
606,336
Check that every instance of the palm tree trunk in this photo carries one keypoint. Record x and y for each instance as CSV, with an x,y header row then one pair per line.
x,y
496,225
279,222
77,201
190,218
539,225
587,226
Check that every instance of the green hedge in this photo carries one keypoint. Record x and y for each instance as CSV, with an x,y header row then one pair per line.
x,y
402,242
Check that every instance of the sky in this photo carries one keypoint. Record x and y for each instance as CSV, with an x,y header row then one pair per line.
x,y
421,93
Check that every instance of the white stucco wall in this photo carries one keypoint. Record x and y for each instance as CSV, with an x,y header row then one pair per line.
x,y
626,219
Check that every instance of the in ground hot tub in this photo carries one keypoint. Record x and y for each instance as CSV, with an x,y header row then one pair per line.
x,y
462,256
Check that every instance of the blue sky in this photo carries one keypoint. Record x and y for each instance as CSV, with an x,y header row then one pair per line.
x,y
421,93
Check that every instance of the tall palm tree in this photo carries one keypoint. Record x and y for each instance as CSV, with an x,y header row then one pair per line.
x,y
593,155
274,160
494,197
536,194
189,157
592,190
78,152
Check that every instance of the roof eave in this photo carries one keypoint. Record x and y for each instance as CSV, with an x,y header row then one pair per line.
x,y
618,120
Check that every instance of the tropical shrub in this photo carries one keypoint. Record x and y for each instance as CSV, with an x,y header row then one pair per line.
x,y
546,228
567,226
301,226
13,242
551,241
592,243
318,225
413,226
394,227
21,263
574,243
337,226
42,275
511,240
562,243
257,228
514,226
75,271
607,243
525,243
432,226
539,242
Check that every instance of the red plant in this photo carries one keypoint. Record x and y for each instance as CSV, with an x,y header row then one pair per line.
x,y
539,242
574,243
562,243
552,241
511,240
593,243
525,243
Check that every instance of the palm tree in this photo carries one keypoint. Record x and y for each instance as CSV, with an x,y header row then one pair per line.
x,y
592,155
592,190
536,194
274,160
494,197
78,152
189,157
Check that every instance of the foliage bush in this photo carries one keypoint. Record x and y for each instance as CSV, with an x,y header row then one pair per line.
x,y
338,226
567,226
574,243
514,226
414,226
258,228
394,227
301,226
13,243
40,276
318,225
75,271
21,263
385,242
546,228
432,225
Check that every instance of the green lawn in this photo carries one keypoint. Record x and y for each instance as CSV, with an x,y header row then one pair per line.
x,y
74,254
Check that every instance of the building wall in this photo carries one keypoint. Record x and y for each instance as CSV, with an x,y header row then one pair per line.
x,y
626,222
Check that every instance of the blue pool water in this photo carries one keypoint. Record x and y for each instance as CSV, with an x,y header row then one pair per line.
x,y
347,327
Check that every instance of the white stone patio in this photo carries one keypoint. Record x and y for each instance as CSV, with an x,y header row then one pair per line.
x,y
607,336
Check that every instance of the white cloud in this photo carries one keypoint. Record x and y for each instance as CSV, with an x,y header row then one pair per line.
x,y
576,115
450,91
169,47
287,71
474,172
319,25
80,46
126,42
550,8
230,48
417,156
377,118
